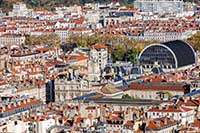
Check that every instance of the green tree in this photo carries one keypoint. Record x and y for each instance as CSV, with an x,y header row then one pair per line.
x,y
194,40
117,53
49,39
131,54
170,95
126,96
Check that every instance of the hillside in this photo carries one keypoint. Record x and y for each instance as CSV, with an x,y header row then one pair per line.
x,y
6,5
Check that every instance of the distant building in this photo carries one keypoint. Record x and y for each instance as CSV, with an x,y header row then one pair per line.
x,y
120,15
197,9
156,90
20,10
169,55
17,106
99,53
164,35
38,124
94,72
12,39
62,33
160,125
25,56
160,6
180,113
66,88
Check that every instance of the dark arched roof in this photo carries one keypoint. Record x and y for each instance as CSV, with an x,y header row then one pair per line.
x,y
184,52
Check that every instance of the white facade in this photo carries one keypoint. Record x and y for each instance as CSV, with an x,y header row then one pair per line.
x,y
179,114
44,125
152,94
160,6
164,36
20,10
100,56
66,90
13,127
19,126
62,33
39,93
93,71
12,40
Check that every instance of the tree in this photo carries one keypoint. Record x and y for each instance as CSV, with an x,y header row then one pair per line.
x,y
170,94
29,39
126,96
79,40
117,53
122,48
131,54
52,40
48,39
194,40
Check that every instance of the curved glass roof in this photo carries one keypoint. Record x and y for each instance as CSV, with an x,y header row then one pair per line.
x,y
184,52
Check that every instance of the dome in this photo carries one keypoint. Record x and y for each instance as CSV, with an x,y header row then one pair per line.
x,y
172,54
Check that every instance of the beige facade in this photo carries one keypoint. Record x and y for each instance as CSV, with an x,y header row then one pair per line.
x,y
67,90
152,94
12,40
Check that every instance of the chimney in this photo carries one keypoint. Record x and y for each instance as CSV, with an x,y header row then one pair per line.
x,y
24,101
28,100
9,106
4,108
19,103
13,104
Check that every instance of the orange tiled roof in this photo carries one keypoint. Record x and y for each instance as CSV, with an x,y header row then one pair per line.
x,y
170,108
90,107
145,86
99,46
159,123
196,123
129,123
76,57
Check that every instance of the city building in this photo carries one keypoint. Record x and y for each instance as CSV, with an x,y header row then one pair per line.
x,y
160,125
62,33
94,72
156,90
12,39
120,15
44,88
181,113
17,106
168,55
164,36
160,6
67,87
99,54
20,10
